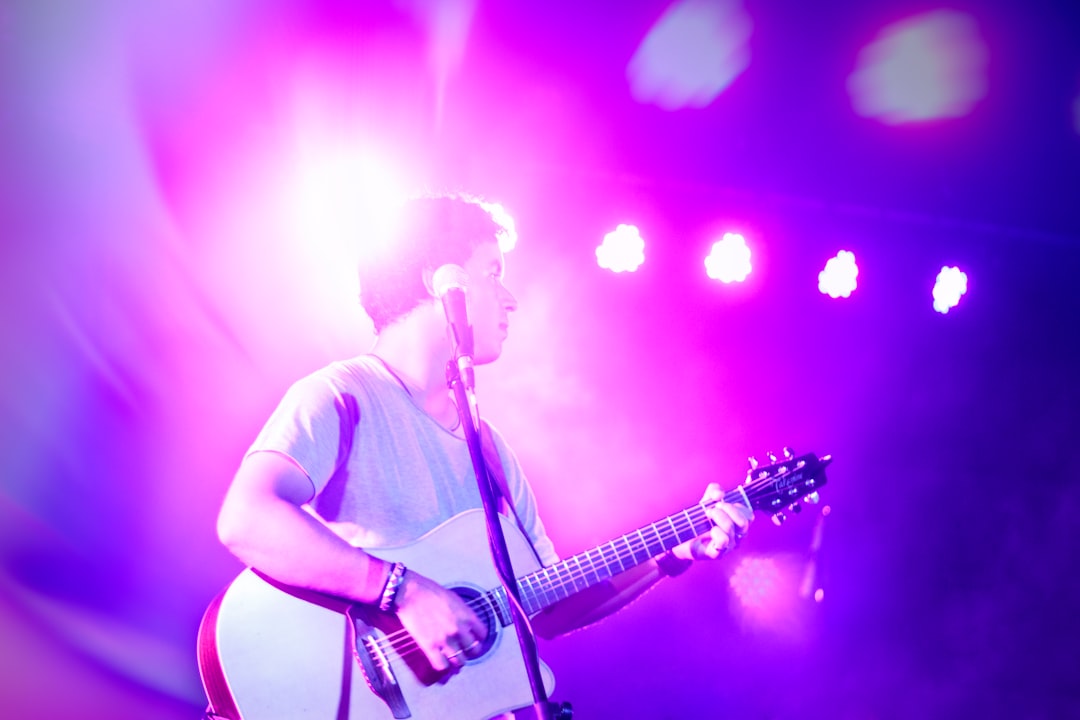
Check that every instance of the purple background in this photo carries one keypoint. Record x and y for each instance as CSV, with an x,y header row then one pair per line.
x,y
154,308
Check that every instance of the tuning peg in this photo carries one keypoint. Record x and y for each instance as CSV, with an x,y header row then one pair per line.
x,y
779,518
795,508
788,454
752,461
813,498
771,456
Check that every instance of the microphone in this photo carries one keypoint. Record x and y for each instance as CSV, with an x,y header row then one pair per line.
x,y
449,283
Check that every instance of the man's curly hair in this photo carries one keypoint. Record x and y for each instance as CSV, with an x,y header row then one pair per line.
x,y
431,231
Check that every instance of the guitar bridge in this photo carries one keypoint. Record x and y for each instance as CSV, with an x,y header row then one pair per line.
x,y
371,656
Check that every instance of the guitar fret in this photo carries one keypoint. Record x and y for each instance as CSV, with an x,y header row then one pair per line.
x,y
555,585
603,572
527,594
557,582
615,550
629,549
674,530
659,545
584,564
530,599
566,579
573,581
692,526
551,584
644,544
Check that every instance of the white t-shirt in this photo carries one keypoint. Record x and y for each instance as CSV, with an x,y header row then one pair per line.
x,y
383,472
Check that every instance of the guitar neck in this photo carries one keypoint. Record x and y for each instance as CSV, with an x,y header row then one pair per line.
x,y
547,586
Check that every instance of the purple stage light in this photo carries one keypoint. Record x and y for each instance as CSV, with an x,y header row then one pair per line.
x,y
840,276
623,250
729,260
693,52
926,67
950,285
755,582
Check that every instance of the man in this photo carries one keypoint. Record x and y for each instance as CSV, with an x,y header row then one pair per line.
x,y
369,453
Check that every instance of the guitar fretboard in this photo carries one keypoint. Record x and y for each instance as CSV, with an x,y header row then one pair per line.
x,y
547,586
773,487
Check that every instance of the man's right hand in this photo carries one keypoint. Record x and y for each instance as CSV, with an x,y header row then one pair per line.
x,y
443,626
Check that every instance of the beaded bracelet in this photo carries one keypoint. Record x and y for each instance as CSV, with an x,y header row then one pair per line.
x,y
393,582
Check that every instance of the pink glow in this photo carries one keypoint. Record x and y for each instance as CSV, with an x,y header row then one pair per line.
x,y
949,286
447,23
840,276
729,259
171,169
623,250
923,68
755,582
765,595
343,199
691,54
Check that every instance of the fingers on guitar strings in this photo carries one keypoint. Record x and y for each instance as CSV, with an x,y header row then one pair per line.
x,y
454,658
463,651
716,549
714,546
724,541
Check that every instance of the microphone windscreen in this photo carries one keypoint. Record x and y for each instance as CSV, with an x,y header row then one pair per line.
x,y
448,277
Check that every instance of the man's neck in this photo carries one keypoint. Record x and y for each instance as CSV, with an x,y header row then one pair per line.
x,y
416,350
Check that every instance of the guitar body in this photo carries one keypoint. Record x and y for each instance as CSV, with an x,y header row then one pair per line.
x,y
271,652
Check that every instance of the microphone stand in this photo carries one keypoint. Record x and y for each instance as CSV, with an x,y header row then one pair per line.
x,y
470,422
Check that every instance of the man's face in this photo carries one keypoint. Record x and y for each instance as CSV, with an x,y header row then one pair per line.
x,y
489,302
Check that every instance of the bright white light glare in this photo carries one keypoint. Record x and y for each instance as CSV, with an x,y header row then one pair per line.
x,y
929,66
729,260
950,285
346,203
840,276
507,238
694,51
623,250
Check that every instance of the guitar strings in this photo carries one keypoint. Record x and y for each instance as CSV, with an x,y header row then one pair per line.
x,y
402,644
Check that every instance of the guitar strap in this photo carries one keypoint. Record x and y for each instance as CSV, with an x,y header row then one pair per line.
x,y
498,474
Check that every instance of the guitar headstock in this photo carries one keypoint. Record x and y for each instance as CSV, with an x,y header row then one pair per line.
x,y
785,483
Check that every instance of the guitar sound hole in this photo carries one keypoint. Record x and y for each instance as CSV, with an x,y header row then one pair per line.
x,y
484,610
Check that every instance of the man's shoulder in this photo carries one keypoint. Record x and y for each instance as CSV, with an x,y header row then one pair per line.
x,y
344,377
362,368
